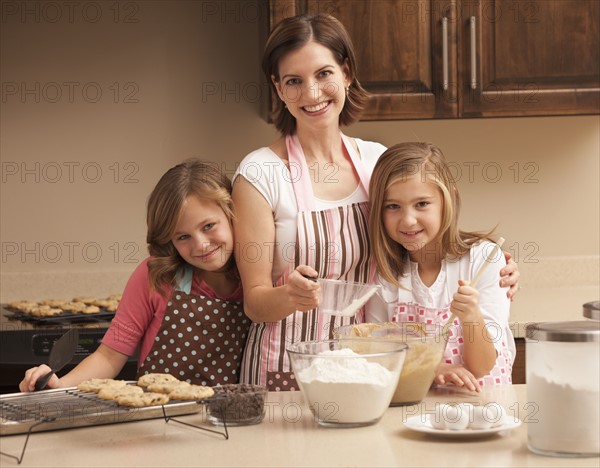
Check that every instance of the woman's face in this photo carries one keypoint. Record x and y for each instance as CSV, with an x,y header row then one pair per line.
x,y
203,236
312,85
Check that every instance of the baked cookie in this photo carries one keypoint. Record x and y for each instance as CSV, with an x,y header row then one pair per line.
x,y
107,304
91,309
55,303
23,305
28,308
112,306
101,303
166,387
143,399
73,307
191,392
114,297
112,392
95,385
44,311
85,299
148,379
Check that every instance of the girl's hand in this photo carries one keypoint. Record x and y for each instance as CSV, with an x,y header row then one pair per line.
x,y
302,292
33,374
509,276
465,303
456,375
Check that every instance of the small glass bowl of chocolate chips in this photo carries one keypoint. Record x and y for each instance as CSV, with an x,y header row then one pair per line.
x,y
237,405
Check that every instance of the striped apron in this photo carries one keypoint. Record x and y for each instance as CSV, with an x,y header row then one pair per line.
x,y
335,243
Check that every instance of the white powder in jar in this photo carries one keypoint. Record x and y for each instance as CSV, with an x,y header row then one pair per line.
x,y
563,419
347,390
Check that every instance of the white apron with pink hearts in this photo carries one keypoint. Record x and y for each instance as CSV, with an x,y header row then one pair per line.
x,y
434,319
413,301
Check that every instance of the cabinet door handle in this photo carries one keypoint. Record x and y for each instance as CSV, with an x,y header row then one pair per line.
x,y
445,53
473,53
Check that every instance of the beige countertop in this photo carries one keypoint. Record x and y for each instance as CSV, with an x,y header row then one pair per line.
x,y
289,437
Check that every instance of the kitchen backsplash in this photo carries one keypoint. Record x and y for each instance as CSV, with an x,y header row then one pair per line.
x,y
554,289
61,284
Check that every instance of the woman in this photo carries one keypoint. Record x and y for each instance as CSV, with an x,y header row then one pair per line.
x,y
302,203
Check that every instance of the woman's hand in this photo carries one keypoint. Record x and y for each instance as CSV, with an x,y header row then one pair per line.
x,y
301,291
510,276
32,375
465,303
456,375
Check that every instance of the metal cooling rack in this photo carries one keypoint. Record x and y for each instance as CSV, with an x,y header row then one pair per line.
x,y
47,410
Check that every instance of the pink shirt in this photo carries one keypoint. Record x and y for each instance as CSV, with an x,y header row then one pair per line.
x,y
141,312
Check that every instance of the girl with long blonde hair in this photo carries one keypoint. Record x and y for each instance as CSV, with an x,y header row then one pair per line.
x,y
425,263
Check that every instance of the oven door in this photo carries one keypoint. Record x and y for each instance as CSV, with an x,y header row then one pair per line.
x,y
23,346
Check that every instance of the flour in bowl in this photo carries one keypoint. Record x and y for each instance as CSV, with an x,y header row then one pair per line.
x,y
344,388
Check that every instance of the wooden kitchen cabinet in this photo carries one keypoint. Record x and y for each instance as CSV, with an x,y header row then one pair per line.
x,y
519,366
531,58
468,58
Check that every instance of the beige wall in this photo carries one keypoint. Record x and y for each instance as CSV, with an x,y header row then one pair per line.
x,y
95,107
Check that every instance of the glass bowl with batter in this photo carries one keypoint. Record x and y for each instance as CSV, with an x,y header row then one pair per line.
x,y
425,350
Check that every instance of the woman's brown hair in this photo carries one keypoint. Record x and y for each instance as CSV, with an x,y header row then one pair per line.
x,y
190,178
294,32
396,164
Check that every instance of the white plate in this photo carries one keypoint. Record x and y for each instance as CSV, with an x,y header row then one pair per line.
x,y
416,423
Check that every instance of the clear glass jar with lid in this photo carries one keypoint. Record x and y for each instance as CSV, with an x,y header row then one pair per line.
x,y
591,310
563,380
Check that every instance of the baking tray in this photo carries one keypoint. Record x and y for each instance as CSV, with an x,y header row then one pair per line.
x,y
63,318
67,408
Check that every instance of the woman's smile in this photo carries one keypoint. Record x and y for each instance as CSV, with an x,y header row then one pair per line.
x,y
314,109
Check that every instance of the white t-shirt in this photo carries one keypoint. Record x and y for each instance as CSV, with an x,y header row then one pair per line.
x,y
493,302
270,175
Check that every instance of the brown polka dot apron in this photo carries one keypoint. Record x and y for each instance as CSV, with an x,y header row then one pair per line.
x,y
335,243
200,340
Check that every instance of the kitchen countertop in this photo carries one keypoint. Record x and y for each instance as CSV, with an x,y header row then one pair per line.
x,y
289,437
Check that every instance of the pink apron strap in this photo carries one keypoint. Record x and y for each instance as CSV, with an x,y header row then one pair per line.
x,y
301,182
361,170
